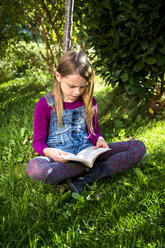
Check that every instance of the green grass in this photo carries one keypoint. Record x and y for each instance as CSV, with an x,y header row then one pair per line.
x,y
123,211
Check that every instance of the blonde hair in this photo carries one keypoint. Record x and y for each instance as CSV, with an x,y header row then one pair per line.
x,y
71,62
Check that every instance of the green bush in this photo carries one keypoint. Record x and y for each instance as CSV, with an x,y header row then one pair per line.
x,y
19,61
128,39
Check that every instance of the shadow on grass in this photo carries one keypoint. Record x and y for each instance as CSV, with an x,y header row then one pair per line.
x,y
16,94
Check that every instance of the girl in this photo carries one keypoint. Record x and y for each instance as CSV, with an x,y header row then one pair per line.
x,y
66,120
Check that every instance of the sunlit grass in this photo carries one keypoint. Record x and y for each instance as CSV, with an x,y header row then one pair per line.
x,y
123,211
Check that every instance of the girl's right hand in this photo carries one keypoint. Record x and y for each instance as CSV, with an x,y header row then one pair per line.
x,y
55,154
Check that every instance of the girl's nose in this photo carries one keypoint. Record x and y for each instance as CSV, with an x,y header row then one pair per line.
x,y
77,91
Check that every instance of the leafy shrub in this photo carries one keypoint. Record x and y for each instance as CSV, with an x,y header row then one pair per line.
x,y
128,38
19,62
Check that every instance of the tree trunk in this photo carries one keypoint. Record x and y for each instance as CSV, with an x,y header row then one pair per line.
x,y
68,25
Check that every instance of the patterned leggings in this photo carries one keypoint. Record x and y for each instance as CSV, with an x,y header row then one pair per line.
x,y
123,156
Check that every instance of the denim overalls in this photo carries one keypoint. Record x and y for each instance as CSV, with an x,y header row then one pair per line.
x,y
72,136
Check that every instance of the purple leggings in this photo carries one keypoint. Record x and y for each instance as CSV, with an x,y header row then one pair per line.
x,y
123,156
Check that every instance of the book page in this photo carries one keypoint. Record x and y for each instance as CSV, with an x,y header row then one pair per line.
x,y
69,156
86,156
89,154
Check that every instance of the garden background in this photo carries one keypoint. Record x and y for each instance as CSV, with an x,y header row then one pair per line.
x,y
125,40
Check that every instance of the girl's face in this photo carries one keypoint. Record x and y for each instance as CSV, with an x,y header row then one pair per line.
x,y
72,86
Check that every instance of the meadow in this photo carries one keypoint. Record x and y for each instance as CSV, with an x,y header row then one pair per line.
x,y
124,211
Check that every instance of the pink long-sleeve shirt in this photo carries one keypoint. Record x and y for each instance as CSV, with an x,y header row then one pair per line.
x,y
42,118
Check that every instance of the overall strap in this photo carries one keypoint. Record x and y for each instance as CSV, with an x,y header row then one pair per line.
x,y
50,100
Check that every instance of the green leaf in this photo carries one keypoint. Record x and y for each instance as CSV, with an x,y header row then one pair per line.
x,y
151,47
127,87
65,195
19,159
122,17
135,90
144,7
22,131
162,50
130,24
141,177
124,77
77,196
161,60
105,4
42,92
92,24
138,118
49,199
116,72
150,60
118,124
137,67
144,44
111,33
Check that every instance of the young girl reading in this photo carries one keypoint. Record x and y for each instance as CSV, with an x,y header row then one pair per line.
x,y
66,120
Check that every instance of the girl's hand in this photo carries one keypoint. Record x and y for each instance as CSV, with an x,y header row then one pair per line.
x,y
55,154
101,143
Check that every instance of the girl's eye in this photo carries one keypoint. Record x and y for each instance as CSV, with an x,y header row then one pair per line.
x,y
72,86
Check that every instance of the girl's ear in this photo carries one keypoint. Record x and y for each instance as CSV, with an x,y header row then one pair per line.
x,y
58,76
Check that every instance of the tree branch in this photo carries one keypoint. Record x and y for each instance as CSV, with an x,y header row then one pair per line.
x,y
52,23
68,25
49,53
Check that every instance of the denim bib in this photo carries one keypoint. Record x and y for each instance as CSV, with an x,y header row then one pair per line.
x,y
72,136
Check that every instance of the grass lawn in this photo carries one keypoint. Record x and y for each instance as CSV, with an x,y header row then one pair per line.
x,y
124,211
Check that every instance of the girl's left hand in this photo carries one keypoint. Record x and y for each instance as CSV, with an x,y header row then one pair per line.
x,y
101,143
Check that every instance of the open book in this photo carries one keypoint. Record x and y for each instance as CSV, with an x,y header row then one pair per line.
x,y
86,156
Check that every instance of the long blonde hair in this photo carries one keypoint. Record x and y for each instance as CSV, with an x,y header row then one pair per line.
x,y
71,62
